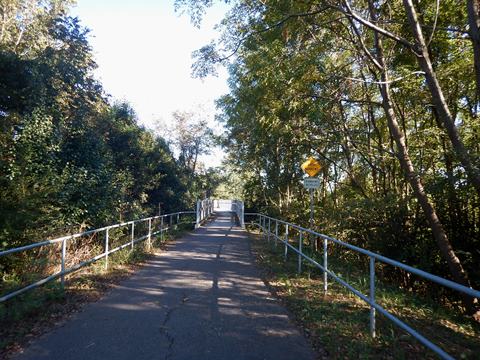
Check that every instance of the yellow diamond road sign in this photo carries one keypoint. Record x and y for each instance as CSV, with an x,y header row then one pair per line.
x,y
311,166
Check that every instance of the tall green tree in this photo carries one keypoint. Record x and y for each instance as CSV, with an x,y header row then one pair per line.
x,y
69,159
367,87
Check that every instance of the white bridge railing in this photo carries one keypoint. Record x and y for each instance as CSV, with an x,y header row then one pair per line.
x,y
282,231
204,210
239,208
206,207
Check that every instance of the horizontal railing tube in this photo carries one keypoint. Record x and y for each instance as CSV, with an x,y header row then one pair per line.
x,y
437,279
107,250
370,299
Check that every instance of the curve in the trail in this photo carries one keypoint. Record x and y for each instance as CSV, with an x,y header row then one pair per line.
x,y
201,299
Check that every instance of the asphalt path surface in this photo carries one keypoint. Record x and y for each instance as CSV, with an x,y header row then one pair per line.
x,y
201,299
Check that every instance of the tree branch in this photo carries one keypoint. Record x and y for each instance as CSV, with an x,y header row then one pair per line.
x,y
350,13
268,28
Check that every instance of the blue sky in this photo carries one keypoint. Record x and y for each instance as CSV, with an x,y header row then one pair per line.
x,y
143,50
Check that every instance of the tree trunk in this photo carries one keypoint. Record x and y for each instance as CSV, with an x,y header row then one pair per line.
x,y
473,8
456,269
438,98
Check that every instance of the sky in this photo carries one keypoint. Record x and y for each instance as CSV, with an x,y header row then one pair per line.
x,y
143,50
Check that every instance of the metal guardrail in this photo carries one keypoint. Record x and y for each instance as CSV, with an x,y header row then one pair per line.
x,y
265,224
204,210
207,206
238,208
173,218
223,204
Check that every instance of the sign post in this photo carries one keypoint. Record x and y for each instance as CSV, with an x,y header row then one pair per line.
x,y
312,168
311,209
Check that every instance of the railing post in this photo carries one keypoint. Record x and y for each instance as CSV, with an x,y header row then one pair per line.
x,y
268,236
286,241
106,248
170,226
149,242
197,222
161,228
263,226
178,220
265,235
325,265
64,254
276,232
242,213
133,233
300,253
372,296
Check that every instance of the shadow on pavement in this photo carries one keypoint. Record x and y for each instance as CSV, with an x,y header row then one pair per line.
x,y
202,299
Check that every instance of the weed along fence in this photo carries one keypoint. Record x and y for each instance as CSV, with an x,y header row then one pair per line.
x,y
293,237
67,254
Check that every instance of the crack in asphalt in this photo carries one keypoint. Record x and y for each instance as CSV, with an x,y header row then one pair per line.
x,y
164,328
170,338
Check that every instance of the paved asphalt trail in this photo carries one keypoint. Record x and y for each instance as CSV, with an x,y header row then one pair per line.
x,y
201,299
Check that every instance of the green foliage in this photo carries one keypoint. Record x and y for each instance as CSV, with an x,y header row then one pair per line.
x,y
70,160
303,83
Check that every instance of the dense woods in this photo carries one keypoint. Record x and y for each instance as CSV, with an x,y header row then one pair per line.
x,y
386,95
70,159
